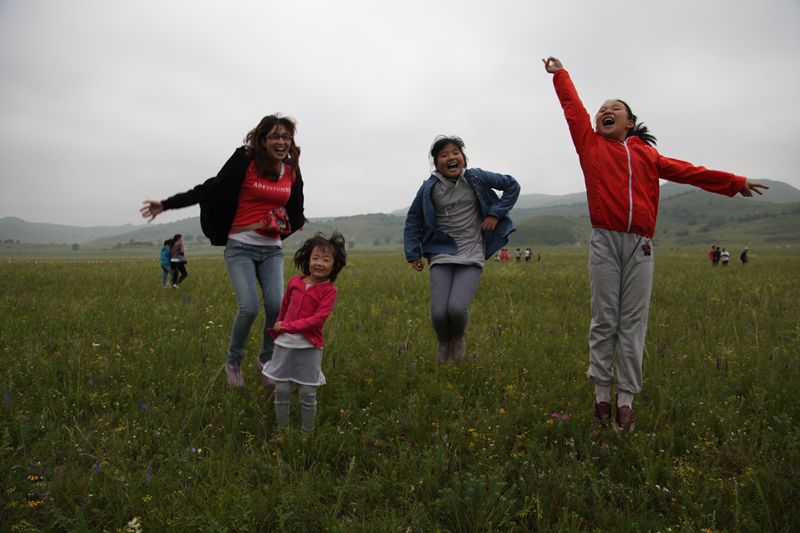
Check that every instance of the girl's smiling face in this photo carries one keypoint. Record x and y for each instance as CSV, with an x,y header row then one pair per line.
x,y
613,121
320,264
450,161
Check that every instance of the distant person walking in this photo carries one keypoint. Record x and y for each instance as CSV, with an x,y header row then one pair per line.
x,y
456,222
622,171
528,255
711,253
717,256
177,261
309,300
725,256
743,257
166,268
250,207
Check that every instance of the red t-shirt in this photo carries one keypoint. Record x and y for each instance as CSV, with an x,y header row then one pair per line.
x,y
258,196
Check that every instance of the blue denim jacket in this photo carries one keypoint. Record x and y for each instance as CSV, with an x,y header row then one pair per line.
x,y
421,238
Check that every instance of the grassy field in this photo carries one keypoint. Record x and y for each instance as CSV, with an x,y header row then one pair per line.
x,y
116,414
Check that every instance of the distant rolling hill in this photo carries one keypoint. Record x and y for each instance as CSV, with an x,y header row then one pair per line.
x,y
687,215
16,229
363,231
778,192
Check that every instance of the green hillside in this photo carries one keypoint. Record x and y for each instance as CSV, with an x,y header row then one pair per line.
x,y
687,216
151,235
15,229
361,231
698,217
550,230
778,192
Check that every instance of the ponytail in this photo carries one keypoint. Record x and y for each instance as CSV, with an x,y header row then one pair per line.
x,y
638,129
641,131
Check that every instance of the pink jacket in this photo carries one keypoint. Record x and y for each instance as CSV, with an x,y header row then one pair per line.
x,y
305,308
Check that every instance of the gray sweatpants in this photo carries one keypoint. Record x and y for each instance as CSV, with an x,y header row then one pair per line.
x,y
452,289
621,277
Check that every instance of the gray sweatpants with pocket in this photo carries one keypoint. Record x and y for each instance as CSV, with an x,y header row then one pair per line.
x,y
621,278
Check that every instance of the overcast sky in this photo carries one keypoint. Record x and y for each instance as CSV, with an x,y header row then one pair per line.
x,y
106,103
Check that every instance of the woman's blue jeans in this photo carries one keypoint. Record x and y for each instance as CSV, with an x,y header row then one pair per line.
x,y
250,267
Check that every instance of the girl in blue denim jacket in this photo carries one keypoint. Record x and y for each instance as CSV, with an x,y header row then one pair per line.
x,y
456,222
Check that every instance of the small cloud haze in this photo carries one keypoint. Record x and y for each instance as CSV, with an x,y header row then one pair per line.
x,y
105,104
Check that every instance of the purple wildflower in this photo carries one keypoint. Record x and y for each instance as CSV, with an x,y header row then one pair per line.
x,y
98,467
142,407
91,380
149,476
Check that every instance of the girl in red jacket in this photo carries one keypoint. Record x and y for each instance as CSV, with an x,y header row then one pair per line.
x,y
621,170
309,299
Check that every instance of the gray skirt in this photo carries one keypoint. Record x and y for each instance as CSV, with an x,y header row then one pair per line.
x,y
300,365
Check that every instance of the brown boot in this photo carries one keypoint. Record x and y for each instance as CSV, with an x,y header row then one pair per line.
x,y
624,419
602,414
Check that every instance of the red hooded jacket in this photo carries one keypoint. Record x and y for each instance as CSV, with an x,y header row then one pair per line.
x,y
622,177
305,309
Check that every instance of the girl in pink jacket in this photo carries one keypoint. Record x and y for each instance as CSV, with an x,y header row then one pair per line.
x,y
308,301
621,170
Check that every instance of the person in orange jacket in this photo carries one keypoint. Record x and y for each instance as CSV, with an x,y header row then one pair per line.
x,y
622,169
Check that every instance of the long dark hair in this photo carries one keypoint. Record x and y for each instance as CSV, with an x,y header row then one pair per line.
x,y
254,141
302,257
638,129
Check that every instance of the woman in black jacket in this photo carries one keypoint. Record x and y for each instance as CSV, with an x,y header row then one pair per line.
x,y
254,203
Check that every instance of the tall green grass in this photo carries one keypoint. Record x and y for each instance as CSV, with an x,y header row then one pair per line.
x,y
115,405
